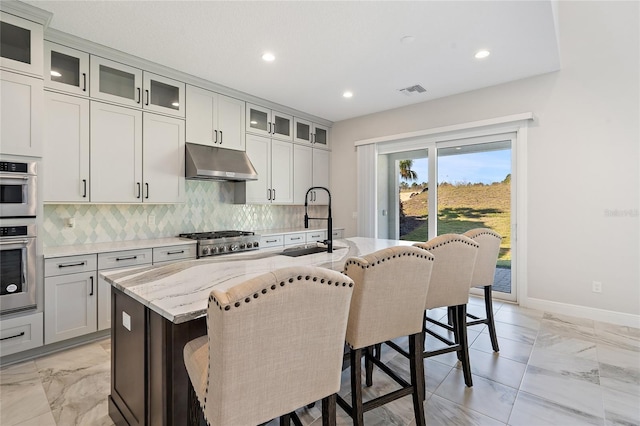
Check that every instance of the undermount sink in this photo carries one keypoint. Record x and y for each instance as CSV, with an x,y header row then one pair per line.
x,y
304,250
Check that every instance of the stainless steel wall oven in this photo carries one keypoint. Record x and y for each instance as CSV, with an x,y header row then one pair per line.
x,y
18,189
17,267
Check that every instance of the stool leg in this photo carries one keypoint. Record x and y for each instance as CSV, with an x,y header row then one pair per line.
x,y
285,420
357,410
329,410
463,352
416,367
488,305
368,365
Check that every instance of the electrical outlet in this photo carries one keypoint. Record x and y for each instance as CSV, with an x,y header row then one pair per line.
x,y
70,222
596,287
151,220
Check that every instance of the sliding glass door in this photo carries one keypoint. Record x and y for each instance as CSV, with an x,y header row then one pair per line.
x,y
464,183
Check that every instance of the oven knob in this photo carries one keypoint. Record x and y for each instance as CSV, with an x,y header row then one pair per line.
x,y
242,246
256,244
205,251
233,247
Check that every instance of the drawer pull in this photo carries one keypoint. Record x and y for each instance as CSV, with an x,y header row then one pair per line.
x,y
118,259
174,252
296,238
13,337
271,241
72,264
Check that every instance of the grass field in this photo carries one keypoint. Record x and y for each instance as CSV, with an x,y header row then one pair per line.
x,y
464,207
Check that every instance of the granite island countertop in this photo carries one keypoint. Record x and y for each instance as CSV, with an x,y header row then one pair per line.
x,y
179,291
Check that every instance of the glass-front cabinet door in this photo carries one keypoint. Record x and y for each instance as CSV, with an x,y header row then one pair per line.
x,y
115,82
66,69
21,44
266,122
164,95
302,130
320,136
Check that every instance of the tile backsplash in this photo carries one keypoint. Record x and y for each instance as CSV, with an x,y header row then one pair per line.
x,y
208,207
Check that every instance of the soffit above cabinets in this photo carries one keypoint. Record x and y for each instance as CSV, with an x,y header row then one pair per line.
x,y
325,48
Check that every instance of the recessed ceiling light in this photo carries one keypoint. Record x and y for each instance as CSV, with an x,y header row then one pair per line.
x,y
175,104
268,57
407,39
481,54
347,94
55,73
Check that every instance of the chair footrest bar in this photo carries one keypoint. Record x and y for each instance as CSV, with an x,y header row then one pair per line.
x,y
439,337
397,348
383,399
429,354
441,324
472,316
478,322
399,380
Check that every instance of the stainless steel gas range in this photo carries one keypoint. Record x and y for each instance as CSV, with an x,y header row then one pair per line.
x,y
221,242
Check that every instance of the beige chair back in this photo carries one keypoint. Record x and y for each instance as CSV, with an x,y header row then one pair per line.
x,y
455,257
485,267
275,344
389,294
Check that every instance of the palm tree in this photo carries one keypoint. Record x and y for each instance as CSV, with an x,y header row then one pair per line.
x,y
405,170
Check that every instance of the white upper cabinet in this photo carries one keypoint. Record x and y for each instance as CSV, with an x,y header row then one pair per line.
x,y
273,160
311,133
21,107
310,169
134,157
116,154
163,159
266,122
115,82
214,119
21,45
66,149
66,69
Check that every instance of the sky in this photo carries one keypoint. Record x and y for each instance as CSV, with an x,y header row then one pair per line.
x,y
479,167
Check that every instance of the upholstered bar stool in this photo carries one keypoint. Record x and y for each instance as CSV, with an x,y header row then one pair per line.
x,y
455,257
388,302
274,344
484,274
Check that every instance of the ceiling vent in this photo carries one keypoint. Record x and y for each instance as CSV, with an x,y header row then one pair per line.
x,y
411,90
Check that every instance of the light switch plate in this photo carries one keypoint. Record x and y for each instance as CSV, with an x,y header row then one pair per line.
x,y
126,320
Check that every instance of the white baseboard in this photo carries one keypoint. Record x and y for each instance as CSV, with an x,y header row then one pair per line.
x,y
602,315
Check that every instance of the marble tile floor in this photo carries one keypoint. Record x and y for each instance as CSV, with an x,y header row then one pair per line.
x,y
551,370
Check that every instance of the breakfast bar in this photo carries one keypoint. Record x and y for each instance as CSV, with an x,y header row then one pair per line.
x,y
156,310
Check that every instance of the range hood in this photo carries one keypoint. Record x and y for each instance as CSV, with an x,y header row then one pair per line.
x,y
211,163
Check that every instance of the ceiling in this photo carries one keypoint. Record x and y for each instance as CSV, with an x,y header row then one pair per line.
x,y
324,48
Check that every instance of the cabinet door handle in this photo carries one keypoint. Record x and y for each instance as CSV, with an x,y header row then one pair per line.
x,y
72,264
220,137
13,337
146,185
118,259
139,194
269,128
174,252
274,195
139,95
146,93
91,292
269,194
274,128
84,81
84,190
216,139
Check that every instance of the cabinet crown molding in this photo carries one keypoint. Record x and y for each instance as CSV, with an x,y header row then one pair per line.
x,y
26,11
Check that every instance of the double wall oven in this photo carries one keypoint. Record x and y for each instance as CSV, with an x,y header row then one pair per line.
x,y
18,236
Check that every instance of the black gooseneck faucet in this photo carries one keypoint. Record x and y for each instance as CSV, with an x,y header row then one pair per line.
x,y
329,240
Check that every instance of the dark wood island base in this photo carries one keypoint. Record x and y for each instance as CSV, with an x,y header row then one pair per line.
x,y
149,382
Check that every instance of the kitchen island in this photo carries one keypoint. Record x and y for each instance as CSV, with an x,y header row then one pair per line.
x,y
156,310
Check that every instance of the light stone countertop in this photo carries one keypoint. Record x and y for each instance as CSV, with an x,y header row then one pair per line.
x,y
82,249
284,231
179,291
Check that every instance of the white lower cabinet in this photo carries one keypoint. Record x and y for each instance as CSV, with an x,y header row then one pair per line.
x,y
70,297
316,236
20,333
273,160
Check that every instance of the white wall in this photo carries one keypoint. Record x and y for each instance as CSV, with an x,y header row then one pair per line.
x,y
582,160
